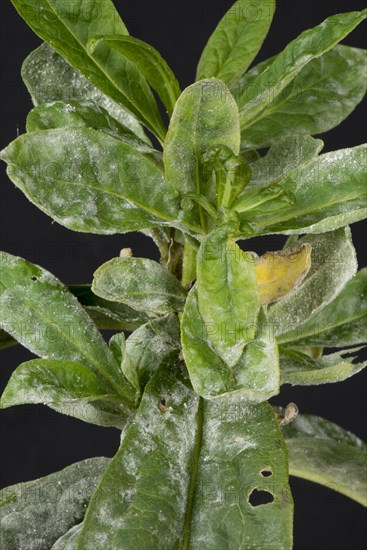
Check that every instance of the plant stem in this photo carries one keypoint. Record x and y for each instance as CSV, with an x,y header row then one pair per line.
x,y
189,264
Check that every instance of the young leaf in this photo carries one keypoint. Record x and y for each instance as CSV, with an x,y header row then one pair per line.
x,y
333,264
278,273
253,379
228,296
151,64
55,22
236,40
328,192
310,45
323,94
35,514
140,283
341,323
149,347
86,114
89,181
325,453
40,312
50,78
67,387
176,445
205,115
299,369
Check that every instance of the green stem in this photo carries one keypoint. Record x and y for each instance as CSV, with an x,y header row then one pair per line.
x,y
194,475
189,264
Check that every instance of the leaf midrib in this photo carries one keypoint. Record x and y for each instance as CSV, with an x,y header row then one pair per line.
x,y
193,477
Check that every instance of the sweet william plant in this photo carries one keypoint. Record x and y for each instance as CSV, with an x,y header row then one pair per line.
x,y
204,458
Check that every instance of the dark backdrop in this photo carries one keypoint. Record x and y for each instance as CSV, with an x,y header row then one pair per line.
x,y
35,440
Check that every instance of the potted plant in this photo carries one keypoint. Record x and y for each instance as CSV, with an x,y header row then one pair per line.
x,y
216,328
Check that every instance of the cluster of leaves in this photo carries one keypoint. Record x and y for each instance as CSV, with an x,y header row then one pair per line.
x,y
215,330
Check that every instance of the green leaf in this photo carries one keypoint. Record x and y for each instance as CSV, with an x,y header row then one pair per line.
x,y
283,159
66,387
140,283
310,45
253,379
150,346
236,40
205,115
68,31
299,369
35,514
105,314
50,78
89,181
86,114
328,192
228,296
323,452
341,323
149,61
190,490
333,264
40,312
323,94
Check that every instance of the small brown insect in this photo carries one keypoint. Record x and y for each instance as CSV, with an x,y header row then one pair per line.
x,y
162,405
290,414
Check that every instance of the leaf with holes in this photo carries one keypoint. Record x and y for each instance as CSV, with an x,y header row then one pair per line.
x,y
173,467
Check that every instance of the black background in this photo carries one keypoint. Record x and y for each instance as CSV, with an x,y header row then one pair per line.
x,y
35,440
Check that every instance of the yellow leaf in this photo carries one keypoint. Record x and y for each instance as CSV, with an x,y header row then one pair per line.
x,y
280,272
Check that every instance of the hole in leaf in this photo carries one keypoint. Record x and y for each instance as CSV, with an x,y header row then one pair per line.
x,y
258,497
34,278
266,472
162,405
